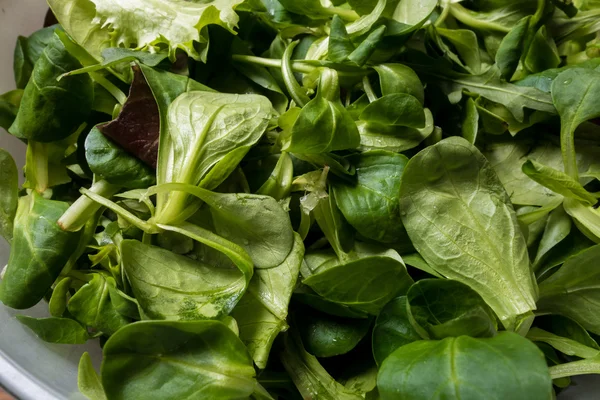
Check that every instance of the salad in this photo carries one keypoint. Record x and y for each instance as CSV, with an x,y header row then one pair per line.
x,y
305,199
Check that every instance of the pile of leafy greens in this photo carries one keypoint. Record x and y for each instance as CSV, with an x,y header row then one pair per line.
x,y
287,199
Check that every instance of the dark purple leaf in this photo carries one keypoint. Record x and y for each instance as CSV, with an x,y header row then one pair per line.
x,y
137,127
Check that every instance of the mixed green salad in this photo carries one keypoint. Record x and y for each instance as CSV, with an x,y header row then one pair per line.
x,y
306,199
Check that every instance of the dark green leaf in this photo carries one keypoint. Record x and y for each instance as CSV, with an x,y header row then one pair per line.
x,y
174,360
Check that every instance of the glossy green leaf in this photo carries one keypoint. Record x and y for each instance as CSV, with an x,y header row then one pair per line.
x,y
174,287
576,95
327,336
581,367
392,329
324,125
52,110
27,51
454,175
397,109
445,308
174,360
88,381
343,282
56,330
558,182
398,78
58,302
558,226
112,163
370,204
92,306
505,366
564,345
40,250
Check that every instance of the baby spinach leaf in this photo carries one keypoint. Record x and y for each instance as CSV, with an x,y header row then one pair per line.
x,y
40,249
56,330
9,107
174,360
203,128
586,218
175,287
470,122
558,227
304,295
576,95
392,329
255,222
279,183
327,336
445,308
323,125
88,381
568,328
58,302
371,204
398,109
343,281
507,365
262,311
572,290
27,51
558,182
454,175
311,379
52,110
564,345
398,78
9,198
91,305
111,162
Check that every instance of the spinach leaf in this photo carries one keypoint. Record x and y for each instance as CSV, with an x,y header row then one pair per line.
x,y
564,345
392,329
572,292
174,287
371,204
444,308
327,336
398,78
262,311
27,51
58,302
203,128
581,367
52,110
9,187
452,178
558,182
92,306
88,380
558,227
326,116
397,109
342,282
56,330
40,250
506,365
575,95
174,360
112,163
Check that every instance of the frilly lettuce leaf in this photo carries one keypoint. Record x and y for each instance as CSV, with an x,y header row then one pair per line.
x,y
150,25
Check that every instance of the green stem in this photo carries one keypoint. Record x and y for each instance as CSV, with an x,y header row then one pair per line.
x,y
329,85
445,11
297,66
369,89
84,208
344,13
567,144
295,90
466,17
581,367
36,169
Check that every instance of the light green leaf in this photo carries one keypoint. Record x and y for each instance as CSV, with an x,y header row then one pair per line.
x,y
88,381
56,330
9,187
564,345
453,178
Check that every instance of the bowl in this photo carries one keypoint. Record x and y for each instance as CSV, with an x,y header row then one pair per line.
x,y
31,369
